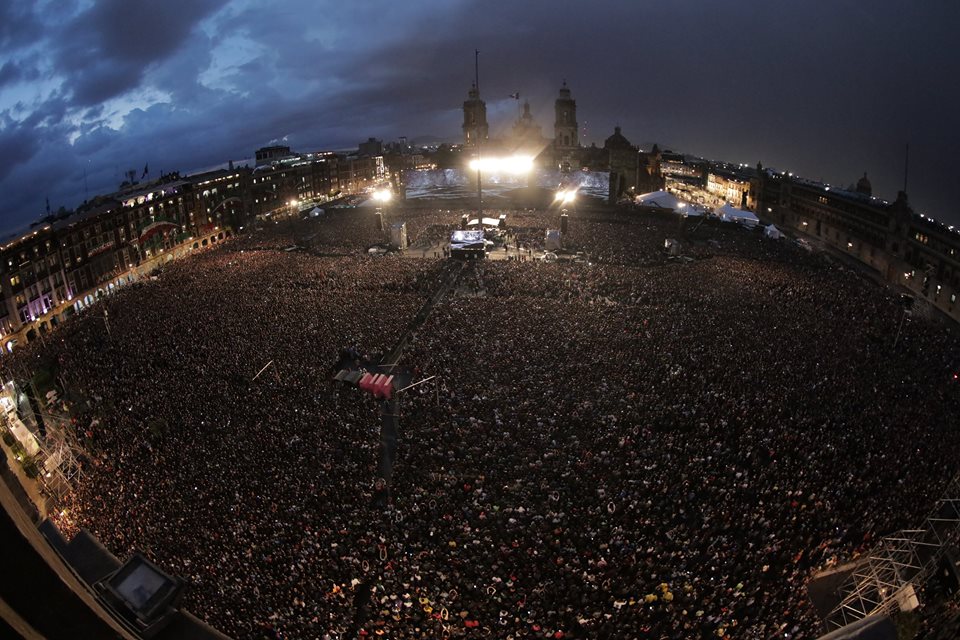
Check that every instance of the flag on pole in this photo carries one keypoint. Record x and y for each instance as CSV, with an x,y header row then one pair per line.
x,y
146,170
515,96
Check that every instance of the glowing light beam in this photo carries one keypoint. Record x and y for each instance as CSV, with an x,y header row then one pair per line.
x,y
516,165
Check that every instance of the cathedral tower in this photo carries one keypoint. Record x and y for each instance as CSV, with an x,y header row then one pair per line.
x,y
474,119
526,137
566,137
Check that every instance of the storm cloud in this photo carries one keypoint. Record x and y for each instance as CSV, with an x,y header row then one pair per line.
x,y
827,90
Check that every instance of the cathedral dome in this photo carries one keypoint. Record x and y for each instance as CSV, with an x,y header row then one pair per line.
x,y
617,141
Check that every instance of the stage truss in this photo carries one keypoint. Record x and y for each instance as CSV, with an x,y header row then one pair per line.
x,y
893,573
60,465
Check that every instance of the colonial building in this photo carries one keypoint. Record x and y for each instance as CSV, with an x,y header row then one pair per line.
x,y
32,278
677,167
296,181
65,262
305,179
889,238
357,173
526,136
729,187
631,169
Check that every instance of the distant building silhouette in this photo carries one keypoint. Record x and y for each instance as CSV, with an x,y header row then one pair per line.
x,y
527,136
566,140
266,155
631,169
372,147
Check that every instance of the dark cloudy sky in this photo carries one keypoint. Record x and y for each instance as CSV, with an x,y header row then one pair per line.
x,y
824,88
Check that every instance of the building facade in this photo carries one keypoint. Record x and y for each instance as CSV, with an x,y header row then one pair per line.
x,y
727,187
632,170
274,153
526,136
889,238
64,263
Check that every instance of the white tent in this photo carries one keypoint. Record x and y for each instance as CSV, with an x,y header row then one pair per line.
x,y
666,201
772,232
729,213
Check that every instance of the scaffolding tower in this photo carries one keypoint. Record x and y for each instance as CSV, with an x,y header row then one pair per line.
x,y
889,578
60,467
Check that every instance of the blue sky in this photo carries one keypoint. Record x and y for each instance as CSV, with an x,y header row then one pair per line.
x,y
826,89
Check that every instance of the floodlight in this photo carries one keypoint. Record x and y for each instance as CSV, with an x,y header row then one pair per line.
x,y
517,165
382,195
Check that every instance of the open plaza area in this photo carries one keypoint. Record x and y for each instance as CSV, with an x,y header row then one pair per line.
x,y
617,444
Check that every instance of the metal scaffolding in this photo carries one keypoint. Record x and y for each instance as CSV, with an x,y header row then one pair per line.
x,y
891,575
60,467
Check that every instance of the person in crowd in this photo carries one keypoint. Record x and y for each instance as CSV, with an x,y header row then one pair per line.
x,y
628,447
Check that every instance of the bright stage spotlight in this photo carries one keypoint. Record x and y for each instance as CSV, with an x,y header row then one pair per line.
x,y
516,165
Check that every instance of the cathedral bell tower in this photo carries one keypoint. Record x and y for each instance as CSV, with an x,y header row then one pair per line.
x,y
475,119
566,137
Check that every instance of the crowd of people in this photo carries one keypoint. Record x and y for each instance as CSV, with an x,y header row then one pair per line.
x,y
630,447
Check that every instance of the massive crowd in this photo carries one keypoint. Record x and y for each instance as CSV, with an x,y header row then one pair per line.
x,y
626,448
